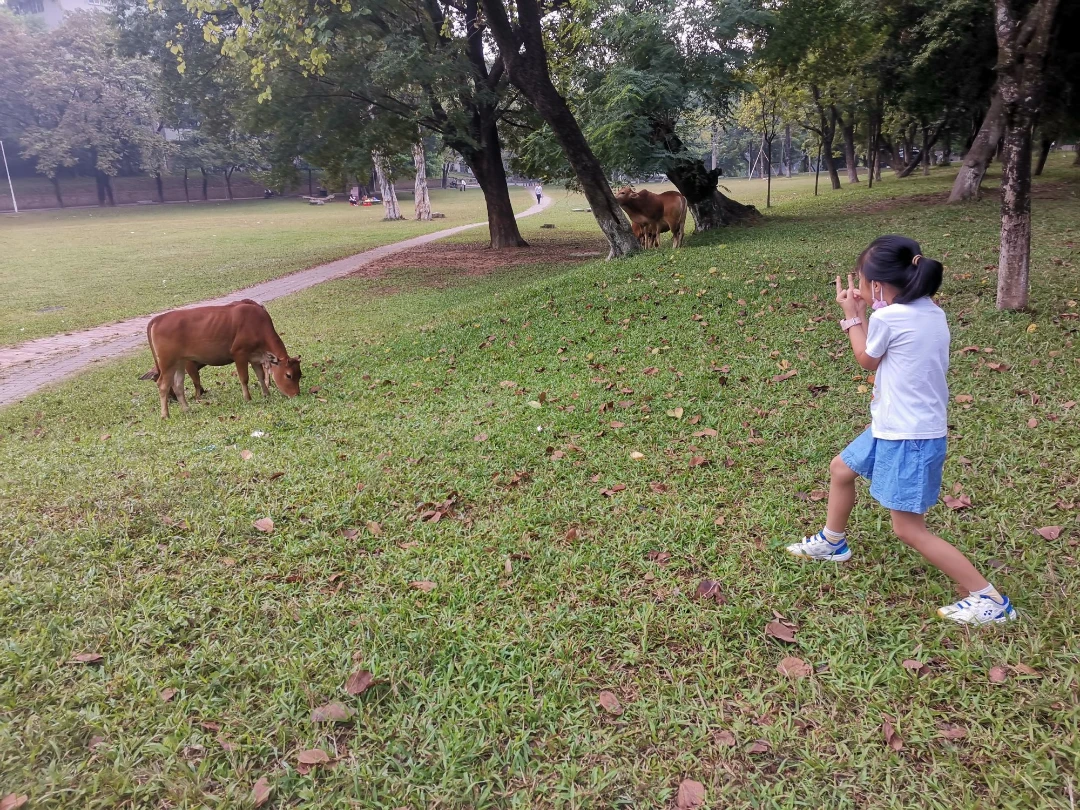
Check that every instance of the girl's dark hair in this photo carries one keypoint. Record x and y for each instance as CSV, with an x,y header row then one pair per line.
x,y
898,260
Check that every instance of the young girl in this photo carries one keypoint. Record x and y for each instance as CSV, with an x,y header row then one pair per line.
x,y
902,453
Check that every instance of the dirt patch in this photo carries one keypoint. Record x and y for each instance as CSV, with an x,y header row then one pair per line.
x,y
474,259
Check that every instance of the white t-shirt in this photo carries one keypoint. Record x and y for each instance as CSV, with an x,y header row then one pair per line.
x,y
538,190
911,395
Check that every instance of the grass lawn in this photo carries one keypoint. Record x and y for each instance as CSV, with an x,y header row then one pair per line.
x,y
67,270
493,502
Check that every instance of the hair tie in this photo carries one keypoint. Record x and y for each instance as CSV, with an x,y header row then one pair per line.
x,y
915,259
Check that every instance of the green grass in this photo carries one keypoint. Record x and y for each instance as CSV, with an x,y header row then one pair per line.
x,y
67,270
133,538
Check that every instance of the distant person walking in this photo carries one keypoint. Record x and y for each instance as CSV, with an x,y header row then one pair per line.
x,y
539,192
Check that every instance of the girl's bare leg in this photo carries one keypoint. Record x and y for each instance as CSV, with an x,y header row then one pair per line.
x,y
841,495
911,528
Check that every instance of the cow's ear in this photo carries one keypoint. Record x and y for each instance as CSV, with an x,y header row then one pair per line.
x,y
272,359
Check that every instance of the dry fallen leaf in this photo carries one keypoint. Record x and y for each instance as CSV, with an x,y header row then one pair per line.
x,y
359,682
260,792
11,801
1049,532
636,456
963,502
571,535
312,756
373,527
725,738
918,667
998,675
1024,669
951,731
610,703
892,739
758,747
612,490
705,432
246,455
787,375
691,795
331,713
480,437
964,398
1033,422
794,668
168,694
709,591
658,557
87,658
264,525
780,631
425,585
676,413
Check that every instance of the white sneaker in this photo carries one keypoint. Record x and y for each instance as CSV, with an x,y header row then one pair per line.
x,y
980,610
818,547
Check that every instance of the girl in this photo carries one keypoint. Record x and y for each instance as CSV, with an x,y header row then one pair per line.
x,y
902,453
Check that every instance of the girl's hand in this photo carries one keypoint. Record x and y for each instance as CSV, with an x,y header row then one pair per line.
x,y
850,299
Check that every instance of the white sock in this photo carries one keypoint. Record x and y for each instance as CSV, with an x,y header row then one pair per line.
x,y
990,591
833,537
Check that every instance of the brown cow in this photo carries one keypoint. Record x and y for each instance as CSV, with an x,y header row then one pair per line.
x,y
240,333
653,214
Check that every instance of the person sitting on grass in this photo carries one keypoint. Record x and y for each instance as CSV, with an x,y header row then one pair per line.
x,y
902,453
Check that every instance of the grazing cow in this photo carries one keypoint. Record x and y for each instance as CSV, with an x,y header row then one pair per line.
x,y
240,333
653,214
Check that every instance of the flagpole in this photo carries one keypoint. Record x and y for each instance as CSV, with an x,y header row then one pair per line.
x,y
7,171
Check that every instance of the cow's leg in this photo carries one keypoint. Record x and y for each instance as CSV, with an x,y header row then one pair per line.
x,y
260,375
178,387
164,384
677,233
242,373
193,372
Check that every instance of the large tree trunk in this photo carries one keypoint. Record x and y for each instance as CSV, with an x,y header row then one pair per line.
x,y
715,149
187,196
787,151
56,190
969,180
228,182
1044,152
487,166
160,187
926,151
847,130
445,175
387,192
709,208
946,148
205,184
1022,50
422,202
828,130
522,50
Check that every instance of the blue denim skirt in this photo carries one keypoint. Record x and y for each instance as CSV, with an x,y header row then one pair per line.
x,y
904,475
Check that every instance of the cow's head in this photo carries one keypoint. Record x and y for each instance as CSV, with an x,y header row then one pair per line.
x,y
625,193
286,373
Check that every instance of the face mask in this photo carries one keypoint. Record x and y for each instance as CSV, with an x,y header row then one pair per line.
x,y
877,303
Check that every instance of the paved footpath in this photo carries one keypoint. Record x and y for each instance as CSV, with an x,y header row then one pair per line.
x,y
28,367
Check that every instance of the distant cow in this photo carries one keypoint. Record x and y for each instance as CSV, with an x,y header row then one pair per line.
x,y
653,214
240,333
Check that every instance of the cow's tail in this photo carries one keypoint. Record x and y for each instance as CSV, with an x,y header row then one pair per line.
x,y
155,372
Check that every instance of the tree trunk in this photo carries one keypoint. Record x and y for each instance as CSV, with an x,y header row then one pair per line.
x,y
386,188
715,149
1022,50
817,169
160,187
709,208
828,130
228,182
107,186
969,180
445,175
1044,152
187,196
946,148
56,190
768,181
926,151
205,182
422,202
787,150
850,161
522,50
487,167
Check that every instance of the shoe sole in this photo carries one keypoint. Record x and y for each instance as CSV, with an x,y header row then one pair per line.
x,y
1004,618
844,557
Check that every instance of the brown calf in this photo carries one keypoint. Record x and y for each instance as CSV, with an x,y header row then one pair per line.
x,y
653,214
240,333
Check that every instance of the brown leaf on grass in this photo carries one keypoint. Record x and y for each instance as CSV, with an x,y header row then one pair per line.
x,y
425,585
168,694
260,793
106,436
708,590
264,525
350,534
1033,422
963,502
617,425
892,739
818,495
691,795
247,455
964,398
87,658
359,682
658,557
658,487
1024,669
781,631
95,741
331,713
651,370
951,731
610,703
572,534
705,433
725,738
758,747
998,366
965,461
787,375
794,668
918,667
998,674
720,520
676,413
12,800
508,384
312,756
698,461
607,493
637,456
969,349
373,527
480,437
1049,532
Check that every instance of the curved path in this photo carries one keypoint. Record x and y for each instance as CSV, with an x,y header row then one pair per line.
x,y
28,367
